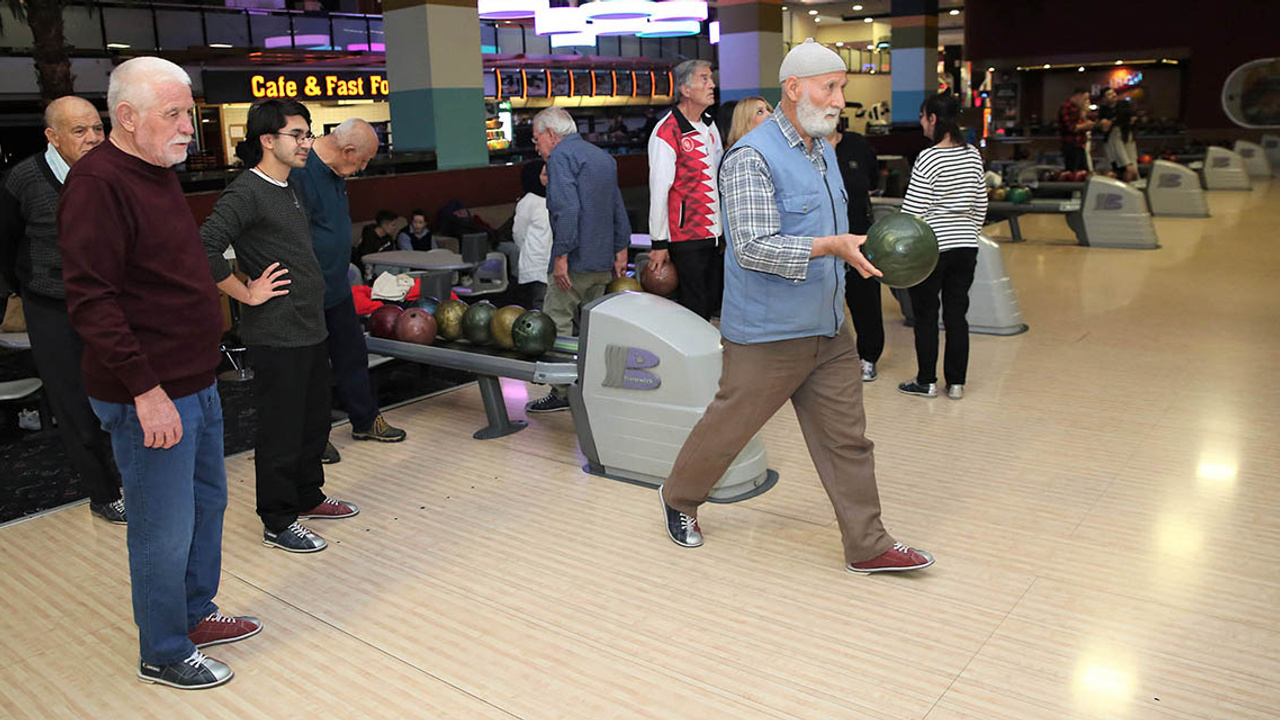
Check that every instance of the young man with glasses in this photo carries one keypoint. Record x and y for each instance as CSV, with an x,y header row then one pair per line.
x,y
262,216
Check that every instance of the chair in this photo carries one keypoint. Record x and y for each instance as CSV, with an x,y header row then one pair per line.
x,y
15,341
490,276
445,242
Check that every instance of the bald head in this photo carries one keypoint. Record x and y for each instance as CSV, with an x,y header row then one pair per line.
x,y
349,148
73,127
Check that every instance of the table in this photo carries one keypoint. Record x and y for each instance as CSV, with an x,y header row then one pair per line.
x,y
415,260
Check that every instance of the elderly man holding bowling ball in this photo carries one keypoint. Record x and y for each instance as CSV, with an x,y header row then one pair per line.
x,y
262,217
783,316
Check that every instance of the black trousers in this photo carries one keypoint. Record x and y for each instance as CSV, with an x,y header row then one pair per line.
x,y
56,349
350,360
291,396
700,272
863,297
952,278
1073,157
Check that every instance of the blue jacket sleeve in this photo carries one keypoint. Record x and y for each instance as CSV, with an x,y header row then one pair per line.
x,y
621,224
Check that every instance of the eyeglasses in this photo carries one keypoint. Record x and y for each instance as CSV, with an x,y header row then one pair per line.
x,y
299,136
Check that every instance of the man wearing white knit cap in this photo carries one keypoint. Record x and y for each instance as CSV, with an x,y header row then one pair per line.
x,y
783,316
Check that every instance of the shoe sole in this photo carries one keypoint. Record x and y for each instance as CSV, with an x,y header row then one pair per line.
x,y
270,544
329,517
224,641
873,378
663,503
106,519
158,681
916,394
872,571
330,462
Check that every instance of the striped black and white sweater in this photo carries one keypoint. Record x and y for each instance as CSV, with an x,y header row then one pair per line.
x,y
948,191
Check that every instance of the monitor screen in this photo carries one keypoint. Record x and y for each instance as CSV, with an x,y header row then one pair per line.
x,y
536,83
623,85
512,83
582,84
560,83
644,83
604,82
662,83
490,84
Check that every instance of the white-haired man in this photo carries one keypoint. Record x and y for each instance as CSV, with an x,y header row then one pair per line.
x,y
684,202
140,294
29,230
590,232
323,181
782,318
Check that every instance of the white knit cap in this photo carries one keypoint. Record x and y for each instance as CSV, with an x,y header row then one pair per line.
x,y
807,59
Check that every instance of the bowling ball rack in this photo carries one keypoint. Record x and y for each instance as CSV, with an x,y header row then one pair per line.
x,y
488,364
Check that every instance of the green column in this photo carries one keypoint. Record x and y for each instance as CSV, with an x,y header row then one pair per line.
x,y
434,69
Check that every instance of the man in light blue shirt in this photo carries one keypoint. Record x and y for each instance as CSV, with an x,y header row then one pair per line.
x,y
589,227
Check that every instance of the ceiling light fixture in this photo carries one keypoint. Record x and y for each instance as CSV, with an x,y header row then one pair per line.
x,y
221,46
617,9
510,9
813,12
867,20
679,10
556,20
671,28
1119,62
856,8
1046,66
954,12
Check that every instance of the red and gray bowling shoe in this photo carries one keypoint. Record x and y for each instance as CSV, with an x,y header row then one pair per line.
x,y
899,558
216,629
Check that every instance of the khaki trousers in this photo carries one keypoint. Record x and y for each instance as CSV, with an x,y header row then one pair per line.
x,y
562,306
823,379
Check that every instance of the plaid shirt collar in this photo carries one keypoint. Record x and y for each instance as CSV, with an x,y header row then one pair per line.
x,y
794,139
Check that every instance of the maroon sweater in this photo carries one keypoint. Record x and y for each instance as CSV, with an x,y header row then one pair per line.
x,y
139,289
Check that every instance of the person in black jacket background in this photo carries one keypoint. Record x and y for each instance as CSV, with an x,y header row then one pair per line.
x,y
860,170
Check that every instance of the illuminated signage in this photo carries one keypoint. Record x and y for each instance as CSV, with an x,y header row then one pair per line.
x,y
238,86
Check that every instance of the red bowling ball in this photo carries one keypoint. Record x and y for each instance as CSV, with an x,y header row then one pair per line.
x,y
382,323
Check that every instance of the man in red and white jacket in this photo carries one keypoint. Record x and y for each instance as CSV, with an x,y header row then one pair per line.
x,y
684,197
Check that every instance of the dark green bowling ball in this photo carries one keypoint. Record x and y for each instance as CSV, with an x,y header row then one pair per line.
x,y
476,321
449,318
533,334
903,247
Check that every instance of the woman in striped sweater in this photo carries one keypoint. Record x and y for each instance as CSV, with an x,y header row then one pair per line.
x,y
947,191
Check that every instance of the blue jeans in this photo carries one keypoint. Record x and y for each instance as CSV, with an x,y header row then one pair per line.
x,y
176,499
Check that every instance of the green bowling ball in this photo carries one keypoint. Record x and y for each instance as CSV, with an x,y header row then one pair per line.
x,y
448,316
533,334
476,321
903,248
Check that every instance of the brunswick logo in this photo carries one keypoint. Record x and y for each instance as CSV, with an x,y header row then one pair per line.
x,y
626,368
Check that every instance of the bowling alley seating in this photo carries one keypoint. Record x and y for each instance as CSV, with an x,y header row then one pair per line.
x,y
489,278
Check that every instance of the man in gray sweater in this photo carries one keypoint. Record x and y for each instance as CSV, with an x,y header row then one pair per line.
x,y
29,240
261,215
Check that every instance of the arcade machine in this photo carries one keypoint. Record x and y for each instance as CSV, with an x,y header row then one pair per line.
x,y
1174,190
1256,163
641,374
1224,170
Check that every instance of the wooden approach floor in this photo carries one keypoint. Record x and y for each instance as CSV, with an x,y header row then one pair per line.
x,y
1103,506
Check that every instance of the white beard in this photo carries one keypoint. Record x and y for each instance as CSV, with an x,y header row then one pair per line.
x,y
815,121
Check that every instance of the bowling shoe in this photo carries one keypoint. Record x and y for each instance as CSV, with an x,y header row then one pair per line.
x,y
682,529
899,558
548,403
296,539
869,373
216,629
381,430
331,509
330,455
911,387
955,392
195,673
112,512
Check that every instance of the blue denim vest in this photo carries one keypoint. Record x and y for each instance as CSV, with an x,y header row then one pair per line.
x,y
761,307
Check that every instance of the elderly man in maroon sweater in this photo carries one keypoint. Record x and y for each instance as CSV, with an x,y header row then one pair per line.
x,y
140,294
